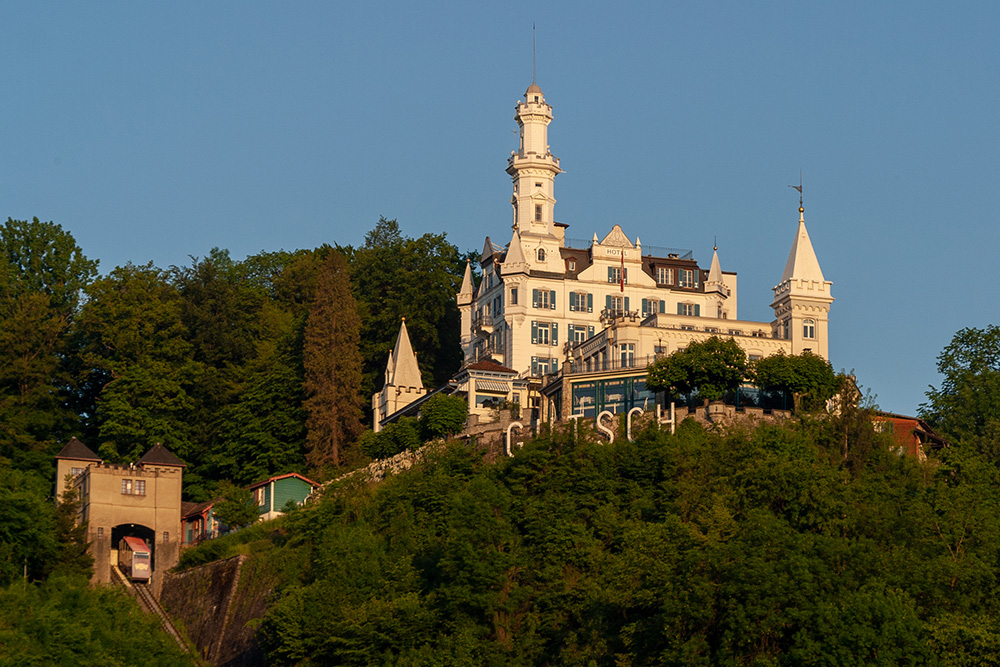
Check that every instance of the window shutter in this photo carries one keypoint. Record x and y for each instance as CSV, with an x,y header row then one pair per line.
x,y
645,305
663,306
626,304
552,300
534,365
697,310
569,334
555,333
611,274
534,298
534,331
590,302
555,365
590,332
607,302
625,275
572,301
680,309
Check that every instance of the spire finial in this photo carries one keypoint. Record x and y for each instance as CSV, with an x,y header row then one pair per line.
x,y
799,188
532,52
715,243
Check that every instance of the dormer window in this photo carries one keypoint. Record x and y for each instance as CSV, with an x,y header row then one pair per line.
x,y
536,98
541,254
571,265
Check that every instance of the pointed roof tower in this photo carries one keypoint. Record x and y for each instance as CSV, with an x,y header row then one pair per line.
x,y
402,369
77,451
715,271
514,261
158,455
802,263
465,293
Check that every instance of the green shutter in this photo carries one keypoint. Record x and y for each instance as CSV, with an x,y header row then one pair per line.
x,y
626,304
555,365
552,300
569,334
607,302
680,309
697,310
534,298
534,331
590,302
663,306
611,274
645,306
590,332
555,333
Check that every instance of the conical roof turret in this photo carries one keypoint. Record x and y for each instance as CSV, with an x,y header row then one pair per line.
x,y
802,263
402,369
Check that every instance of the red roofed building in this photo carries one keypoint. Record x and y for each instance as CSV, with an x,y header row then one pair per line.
x,y
912,434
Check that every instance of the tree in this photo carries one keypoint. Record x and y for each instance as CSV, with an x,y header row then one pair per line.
x,y
42,274
140,364
441,416
807,377
332,364
71,537
394,276
236,507
966,406
712,367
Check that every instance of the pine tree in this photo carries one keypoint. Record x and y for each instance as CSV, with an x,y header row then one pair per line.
x,y
332,366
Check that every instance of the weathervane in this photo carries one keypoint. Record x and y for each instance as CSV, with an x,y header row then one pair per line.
x,y
799,188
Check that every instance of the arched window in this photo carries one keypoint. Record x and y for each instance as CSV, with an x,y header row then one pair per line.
x,y
541,254
808,328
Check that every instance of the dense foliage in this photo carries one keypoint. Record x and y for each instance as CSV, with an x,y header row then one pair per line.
x,y
966,407
711,367
812,543
244,369
807,377
65,622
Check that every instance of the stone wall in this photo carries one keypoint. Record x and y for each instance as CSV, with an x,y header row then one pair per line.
x,y
218,604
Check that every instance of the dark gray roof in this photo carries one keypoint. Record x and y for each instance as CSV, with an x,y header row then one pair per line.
x,y
77,451
159,455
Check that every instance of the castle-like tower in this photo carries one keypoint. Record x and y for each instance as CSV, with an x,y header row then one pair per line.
x,y
533,167
403,383
802,299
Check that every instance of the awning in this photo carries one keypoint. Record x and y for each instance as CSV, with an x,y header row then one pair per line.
x,y
492,386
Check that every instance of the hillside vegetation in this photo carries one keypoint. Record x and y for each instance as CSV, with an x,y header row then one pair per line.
x,y
766,547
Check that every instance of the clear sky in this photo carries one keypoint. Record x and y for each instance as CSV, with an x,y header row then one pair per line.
x,y
154,132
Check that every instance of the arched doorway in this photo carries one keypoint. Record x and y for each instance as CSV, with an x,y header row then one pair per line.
x,y
134,530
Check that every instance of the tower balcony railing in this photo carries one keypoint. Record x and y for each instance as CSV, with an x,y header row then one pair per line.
x,y
523,155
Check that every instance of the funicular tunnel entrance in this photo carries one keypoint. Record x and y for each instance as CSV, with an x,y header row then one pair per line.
x,y
134,530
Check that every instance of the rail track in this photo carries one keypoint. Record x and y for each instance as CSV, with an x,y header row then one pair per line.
x,y
146,600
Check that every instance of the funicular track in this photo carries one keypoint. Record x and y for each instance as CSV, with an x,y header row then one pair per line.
x,y
148,602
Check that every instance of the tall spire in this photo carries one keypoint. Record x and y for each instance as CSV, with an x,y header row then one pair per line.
x,y
465,293
402,369
802,263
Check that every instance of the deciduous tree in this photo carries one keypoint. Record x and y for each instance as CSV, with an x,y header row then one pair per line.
x,y
966,406
712,367
807,377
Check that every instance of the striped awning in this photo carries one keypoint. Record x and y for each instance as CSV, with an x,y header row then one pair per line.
x,y
492,386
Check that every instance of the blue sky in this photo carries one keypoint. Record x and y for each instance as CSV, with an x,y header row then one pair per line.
x,y
156,132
